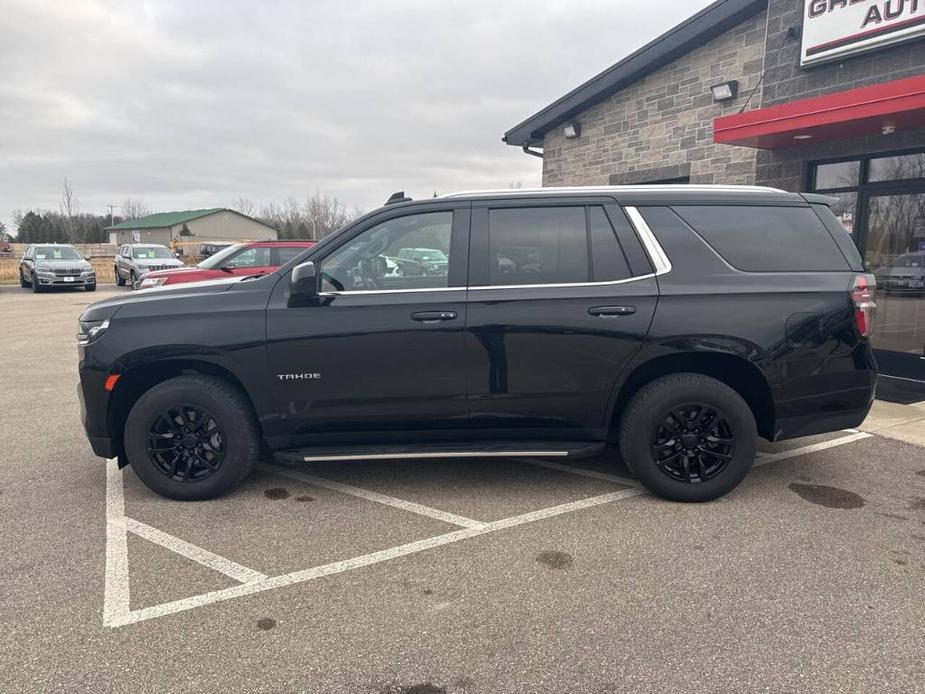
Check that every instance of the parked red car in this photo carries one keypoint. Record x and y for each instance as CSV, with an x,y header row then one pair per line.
x,y
255,258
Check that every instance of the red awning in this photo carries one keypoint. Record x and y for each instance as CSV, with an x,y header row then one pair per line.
x,y
868,110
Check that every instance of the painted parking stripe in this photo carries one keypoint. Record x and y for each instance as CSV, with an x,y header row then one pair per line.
x,y
116,586
593,474
366,559
202,556
410,506
812,448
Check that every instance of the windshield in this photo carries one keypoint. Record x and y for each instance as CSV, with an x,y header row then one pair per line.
x,y
151,253
910,260
216,261
56,253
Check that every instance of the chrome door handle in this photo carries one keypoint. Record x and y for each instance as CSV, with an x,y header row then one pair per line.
x,y
611,311
433,316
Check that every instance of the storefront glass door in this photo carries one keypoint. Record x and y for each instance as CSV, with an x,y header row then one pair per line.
x,y
894,250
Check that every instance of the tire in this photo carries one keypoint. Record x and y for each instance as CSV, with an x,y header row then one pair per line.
x,y
718,456
36,287
132,278
22,280
234,421
120,280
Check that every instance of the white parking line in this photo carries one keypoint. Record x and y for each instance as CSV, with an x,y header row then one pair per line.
x,y
116,588
366,559
593,474
116,610
420,509
197,554
812,448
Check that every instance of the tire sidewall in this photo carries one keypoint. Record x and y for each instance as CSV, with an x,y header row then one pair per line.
x,y
646,412
240,448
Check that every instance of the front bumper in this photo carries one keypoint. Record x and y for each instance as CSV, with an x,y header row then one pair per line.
x,y
69,281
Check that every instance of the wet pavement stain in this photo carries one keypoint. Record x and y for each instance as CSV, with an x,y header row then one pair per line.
x,y
305,498
901,562
918,504
894,516
422,688
830,497
266,624
428,591
276,493
920,473
554,559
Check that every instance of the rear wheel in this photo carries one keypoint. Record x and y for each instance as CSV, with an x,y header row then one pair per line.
x,y
192,437
120,280
688,437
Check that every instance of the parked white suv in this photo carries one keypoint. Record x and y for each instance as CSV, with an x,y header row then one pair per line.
x,y
135,259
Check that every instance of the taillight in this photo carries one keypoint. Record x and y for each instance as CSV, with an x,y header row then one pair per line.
x,y
865,307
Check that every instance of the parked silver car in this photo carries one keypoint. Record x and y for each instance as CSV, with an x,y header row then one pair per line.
x,y
49,265
135,259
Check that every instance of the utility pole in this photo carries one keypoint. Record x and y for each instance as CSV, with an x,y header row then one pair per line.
x,y
111,208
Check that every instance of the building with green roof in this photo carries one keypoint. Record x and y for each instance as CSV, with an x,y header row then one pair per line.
x,y
213,224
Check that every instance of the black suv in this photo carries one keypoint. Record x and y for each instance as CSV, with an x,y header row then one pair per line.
x,y
678,322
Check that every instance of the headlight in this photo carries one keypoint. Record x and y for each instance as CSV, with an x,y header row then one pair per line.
x,y
150,282
88,271
91,330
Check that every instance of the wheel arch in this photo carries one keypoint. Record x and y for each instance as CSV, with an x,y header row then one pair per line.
x,y
141,377
735,371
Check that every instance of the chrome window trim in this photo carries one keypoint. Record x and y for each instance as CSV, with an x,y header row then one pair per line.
x,y
660,263
657,254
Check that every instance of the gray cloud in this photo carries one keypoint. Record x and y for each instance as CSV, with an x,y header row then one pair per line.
x,y
191,104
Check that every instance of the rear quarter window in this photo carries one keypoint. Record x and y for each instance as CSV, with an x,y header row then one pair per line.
x,y
766,239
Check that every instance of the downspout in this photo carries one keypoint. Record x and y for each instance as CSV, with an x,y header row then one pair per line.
x,y
531,152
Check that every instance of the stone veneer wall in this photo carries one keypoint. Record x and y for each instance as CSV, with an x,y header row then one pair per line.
x,y
662,126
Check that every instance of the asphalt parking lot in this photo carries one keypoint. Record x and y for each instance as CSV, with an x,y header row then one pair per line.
x,y
444,576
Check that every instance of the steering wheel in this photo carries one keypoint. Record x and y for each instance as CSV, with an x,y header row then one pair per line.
x,y
333,281
366,272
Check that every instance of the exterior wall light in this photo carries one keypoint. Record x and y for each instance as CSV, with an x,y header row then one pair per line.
x,y
726,91
572,130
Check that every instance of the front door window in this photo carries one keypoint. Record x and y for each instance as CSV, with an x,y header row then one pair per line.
x,y
411,252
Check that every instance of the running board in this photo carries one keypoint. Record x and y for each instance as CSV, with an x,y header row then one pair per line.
x,y
474,449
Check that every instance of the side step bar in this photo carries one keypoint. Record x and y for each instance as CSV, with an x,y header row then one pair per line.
x,y
474,449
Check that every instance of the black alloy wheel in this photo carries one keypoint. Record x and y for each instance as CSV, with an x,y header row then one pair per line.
x,y
186,443
693,443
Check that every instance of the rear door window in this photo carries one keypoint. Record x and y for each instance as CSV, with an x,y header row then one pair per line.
x,y
765,238
537,245
287,253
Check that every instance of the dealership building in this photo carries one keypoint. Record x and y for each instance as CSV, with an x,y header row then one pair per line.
x,y
805,95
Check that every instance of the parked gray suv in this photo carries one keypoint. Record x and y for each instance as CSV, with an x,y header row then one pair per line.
x,y
48,265
135,259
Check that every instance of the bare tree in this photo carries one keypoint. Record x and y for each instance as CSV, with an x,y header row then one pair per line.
x,y
243,205
133,208
70,208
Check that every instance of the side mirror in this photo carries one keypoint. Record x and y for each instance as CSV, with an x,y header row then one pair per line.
x,y
229,267
304,281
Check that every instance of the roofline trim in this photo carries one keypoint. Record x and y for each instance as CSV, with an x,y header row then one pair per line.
x,y
710,22
610,190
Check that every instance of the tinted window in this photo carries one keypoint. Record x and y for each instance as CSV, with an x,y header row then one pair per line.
x,y
389,256
897,168
287,253
766,239
607,260
844,174
539,245
840,234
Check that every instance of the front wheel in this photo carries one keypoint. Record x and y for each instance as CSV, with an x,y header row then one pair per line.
x,y
192,437
120,280
22,280
36,287
688,437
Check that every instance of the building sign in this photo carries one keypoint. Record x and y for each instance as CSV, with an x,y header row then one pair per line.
x,y
838,28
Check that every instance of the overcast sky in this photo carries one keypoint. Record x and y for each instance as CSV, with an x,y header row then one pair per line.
x,y
193,103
